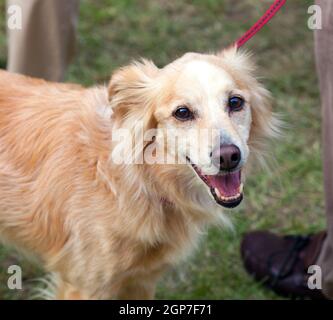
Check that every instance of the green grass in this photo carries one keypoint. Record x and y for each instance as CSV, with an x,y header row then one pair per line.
x,y
286,199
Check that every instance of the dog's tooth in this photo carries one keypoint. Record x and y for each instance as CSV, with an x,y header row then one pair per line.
x,y
230,198
241,187
217,192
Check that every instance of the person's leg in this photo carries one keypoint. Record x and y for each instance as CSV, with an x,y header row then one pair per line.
x,y
324,60
45,45
282,262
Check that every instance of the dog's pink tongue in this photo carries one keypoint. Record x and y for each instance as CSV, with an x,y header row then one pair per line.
x,y
227,184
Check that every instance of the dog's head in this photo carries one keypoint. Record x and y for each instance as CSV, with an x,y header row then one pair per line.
x,y
210,113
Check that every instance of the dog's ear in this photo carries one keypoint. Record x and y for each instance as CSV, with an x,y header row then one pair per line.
x,y
265,123
131,88
237,60
132,96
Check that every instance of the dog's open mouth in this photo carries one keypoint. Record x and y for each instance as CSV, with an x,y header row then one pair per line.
x,y
226,188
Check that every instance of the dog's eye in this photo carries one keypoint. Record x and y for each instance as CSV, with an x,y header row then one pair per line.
x,y
183,113
235,103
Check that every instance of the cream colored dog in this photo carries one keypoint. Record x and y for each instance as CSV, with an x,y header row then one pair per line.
x,y
107,229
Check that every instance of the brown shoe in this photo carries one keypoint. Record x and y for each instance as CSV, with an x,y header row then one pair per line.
x,y
281,263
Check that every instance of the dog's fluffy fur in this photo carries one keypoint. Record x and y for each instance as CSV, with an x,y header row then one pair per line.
x,y
103,229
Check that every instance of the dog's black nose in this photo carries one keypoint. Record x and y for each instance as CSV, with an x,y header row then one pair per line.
x,y
226,157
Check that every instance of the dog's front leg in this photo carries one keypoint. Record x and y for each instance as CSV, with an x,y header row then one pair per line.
x,y
137,289
66,291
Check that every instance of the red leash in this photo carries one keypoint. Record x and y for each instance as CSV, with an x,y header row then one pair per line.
x,y
269,14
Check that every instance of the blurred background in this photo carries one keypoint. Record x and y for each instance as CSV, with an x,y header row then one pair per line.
x,y
287,198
